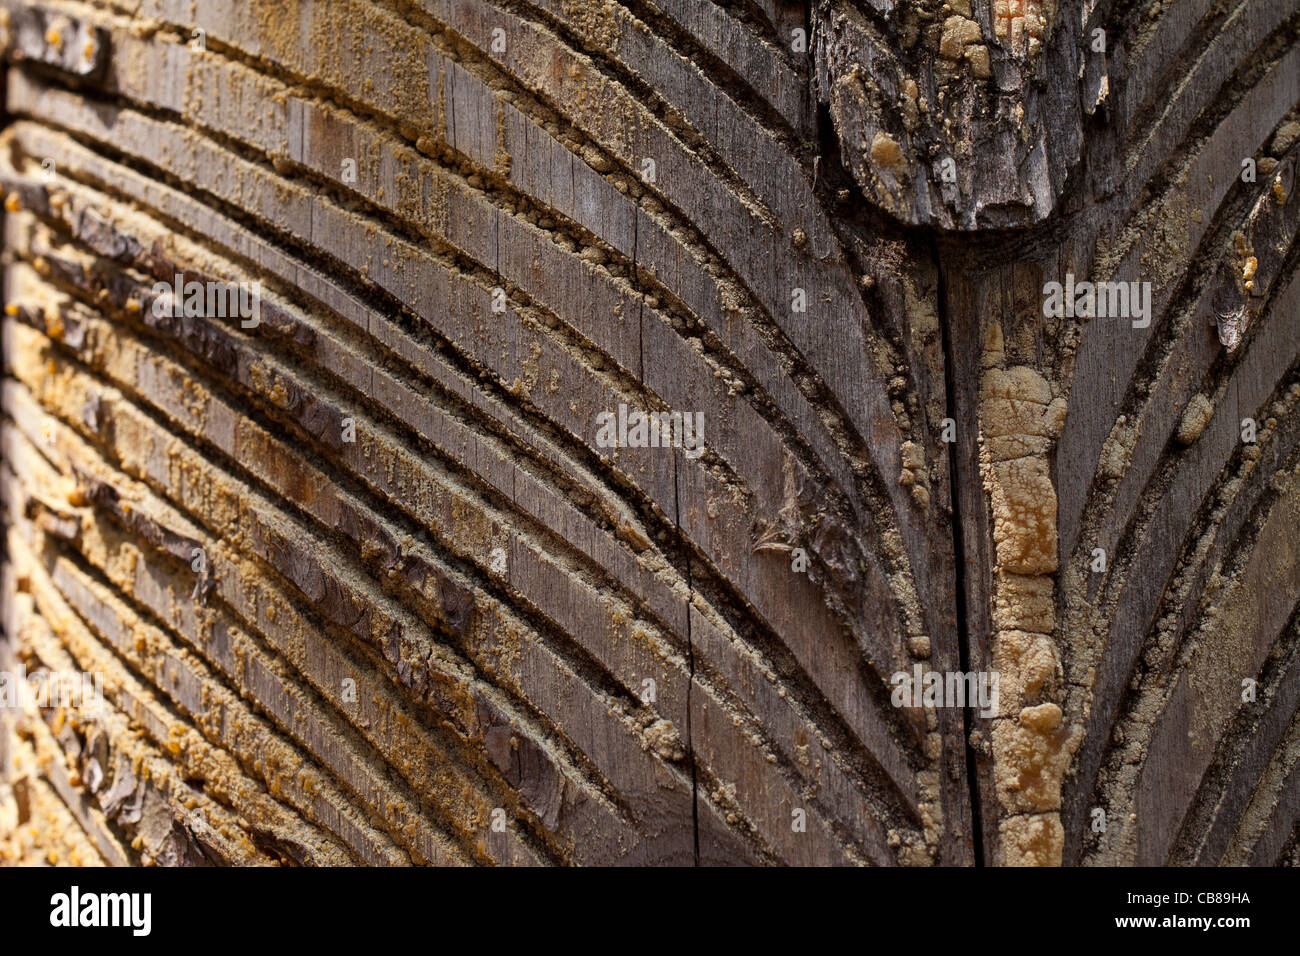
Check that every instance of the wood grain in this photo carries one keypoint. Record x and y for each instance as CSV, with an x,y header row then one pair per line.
x,y
365,581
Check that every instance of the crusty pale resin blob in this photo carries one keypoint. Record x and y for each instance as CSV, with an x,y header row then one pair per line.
x,y
1032,744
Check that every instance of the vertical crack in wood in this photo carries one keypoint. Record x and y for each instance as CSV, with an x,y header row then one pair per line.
x,y
960,557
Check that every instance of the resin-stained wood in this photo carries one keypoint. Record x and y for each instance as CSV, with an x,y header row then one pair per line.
x,y
365,578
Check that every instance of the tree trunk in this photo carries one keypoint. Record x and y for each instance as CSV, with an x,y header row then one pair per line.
x,y
651,432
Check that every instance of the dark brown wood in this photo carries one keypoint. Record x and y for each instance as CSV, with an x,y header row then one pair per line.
x,y
373,586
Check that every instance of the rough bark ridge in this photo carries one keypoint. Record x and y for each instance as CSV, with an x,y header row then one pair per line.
x,y
366,579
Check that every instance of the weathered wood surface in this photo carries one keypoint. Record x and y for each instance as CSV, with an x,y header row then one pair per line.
x,y
365,585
